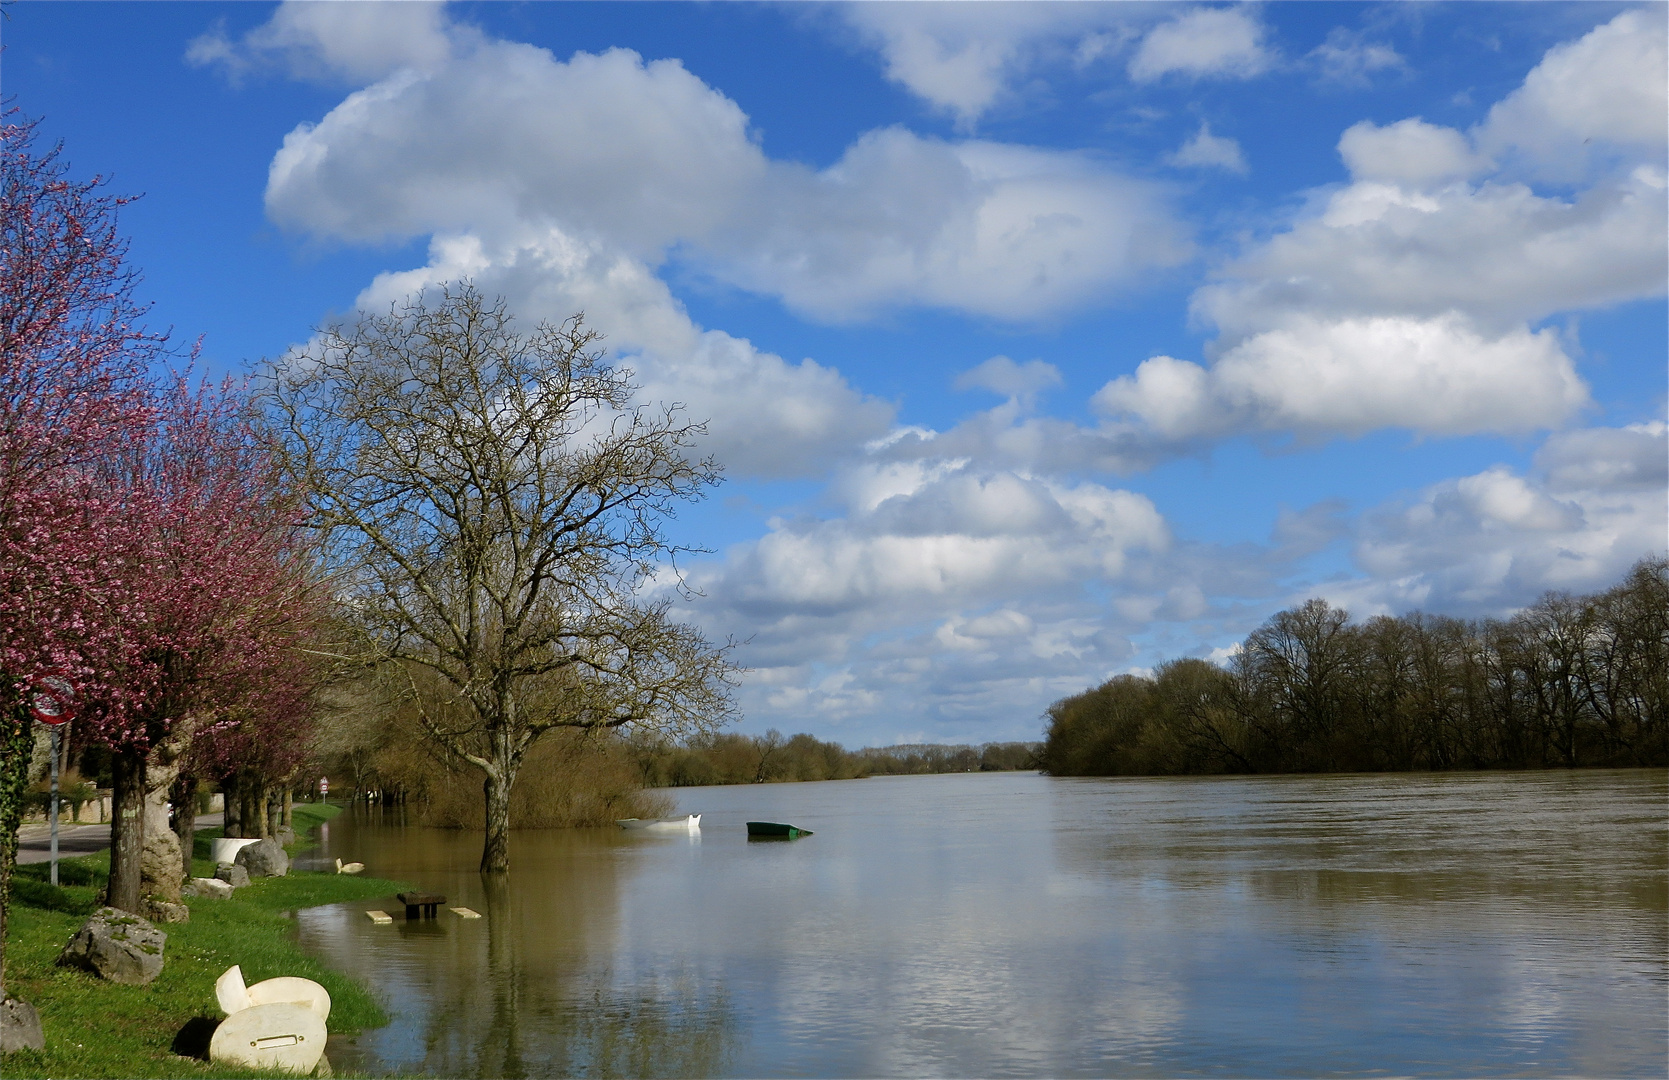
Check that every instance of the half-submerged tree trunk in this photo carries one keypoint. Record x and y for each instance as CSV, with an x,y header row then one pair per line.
x,y
127,830
495,852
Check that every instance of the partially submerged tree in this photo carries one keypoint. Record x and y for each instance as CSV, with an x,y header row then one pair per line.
x,y
496,506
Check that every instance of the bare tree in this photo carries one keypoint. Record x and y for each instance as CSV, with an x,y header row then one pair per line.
x,y
496,506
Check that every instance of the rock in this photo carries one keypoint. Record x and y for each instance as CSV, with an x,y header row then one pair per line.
x,y
116,946
285,835
213,888
20,1027
166,911
265,859
232,874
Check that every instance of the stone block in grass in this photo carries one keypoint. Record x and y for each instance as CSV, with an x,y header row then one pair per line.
x,y
117,946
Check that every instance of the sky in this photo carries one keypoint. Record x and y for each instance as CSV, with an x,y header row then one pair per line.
x,y
1040,343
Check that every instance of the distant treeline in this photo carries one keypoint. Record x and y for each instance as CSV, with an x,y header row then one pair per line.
x,y
770,758
1569,681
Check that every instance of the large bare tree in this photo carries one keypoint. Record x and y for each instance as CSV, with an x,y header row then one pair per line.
x,y
497,505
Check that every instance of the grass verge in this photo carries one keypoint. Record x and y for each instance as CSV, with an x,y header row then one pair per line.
x,y
95,1028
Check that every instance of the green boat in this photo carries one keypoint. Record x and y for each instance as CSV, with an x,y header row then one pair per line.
x,y
775,830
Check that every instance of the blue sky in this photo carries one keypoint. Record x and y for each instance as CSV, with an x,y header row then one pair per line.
x,y
1040,342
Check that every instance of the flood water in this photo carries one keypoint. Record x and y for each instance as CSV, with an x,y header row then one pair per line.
x,y
1010,924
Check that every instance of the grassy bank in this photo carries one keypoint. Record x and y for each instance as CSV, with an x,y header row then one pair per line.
x,y
98,1029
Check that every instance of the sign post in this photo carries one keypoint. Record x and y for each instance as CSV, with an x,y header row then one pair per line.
x,y
54,706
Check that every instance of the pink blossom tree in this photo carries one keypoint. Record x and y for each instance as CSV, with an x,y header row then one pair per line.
x,y
73,364
218,600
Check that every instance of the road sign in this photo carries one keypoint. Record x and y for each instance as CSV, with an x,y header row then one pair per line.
x,y
54,699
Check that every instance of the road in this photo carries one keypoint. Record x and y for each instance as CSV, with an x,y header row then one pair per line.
x,y
34,841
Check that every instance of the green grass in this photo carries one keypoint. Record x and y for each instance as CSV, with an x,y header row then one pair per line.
x,y
97,1029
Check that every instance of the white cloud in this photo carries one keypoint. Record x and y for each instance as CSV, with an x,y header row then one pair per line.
x,y
1407,297
1628,458
325,40
597,170
646,159
980,227
1493,541
765,416
1408,151
1346,57
965,58
1204,42
1437,376
943,592
1498,252
1000,375
1589,99
1209,151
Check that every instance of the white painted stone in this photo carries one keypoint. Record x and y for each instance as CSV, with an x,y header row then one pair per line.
x,y
225,848
282,1035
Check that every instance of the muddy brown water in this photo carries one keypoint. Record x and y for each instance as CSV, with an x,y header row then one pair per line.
x,y
1483,924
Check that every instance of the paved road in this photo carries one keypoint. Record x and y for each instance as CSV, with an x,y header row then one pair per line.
x,y
34,841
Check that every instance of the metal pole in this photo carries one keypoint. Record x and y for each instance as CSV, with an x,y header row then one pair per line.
x,y
55,806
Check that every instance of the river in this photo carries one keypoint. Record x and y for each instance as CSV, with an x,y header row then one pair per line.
x,y
1011,924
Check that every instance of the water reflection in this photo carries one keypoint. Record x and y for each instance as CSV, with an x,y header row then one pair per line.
x,y
1013,925
522,991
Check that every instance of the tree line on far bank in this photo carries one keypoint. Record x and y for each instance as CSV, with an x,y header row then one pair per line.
x,y
1570,681
732,758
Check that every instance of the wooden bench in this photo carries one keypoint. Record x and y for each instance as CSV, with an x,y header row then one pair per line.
x,y
421,905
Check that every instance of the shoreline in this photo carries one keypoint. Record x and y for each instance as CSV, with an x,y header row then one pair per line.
x,y
95,1028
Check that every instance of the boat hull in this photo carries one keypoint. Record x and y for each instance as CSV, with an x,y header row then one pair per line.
x,y
775,830
692,823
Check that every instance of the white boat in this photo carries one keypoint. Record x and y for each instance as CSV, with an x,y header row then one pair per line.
x,y
679,824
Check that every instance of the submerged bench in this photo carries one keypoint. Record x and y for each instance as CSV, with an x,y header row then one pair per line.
x,y
421,904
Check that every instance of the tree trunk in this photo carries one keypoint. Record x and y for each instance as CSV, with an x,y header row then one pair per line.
x,y
495,853
14,777
289,798
184,797
231,807
127,830
254,810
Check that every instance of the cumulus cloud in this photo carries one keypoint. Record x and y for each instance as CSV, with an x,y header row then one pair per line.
x,y
1408,297
646,158
598,170
939,586
766,417
1409,151
1203,43
966,59
1588,101
1439,376
1495,540
321,40
1630,458
1208,151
